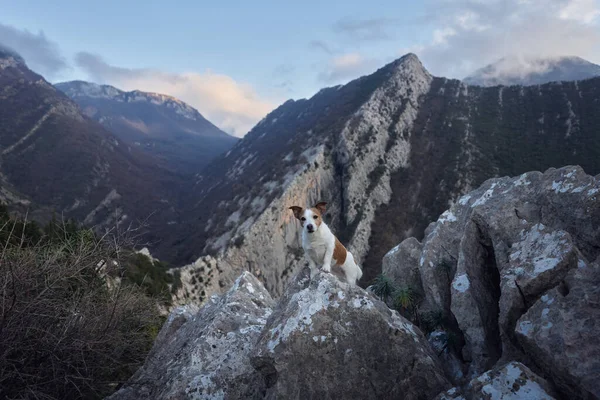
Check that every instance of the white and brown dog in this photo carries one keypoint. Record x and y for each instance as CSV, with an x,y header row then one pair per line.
x,y
321,245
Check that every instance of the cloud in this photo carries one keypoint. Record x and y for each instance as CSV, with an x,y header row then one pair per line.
x,y
370,29
347,66
233,106
283,70
469,34
321,45
41,55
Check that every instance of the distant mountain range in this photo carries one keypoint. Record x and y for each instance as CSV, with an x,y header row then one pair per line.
x,y
54,159
533,71
160,125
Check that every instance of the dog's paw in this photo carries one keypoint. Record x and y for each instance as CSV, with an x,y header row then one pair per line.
x,y
325,269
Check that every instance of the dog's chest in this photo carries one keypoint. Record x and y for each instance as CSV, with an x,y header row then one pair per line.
x,y
317,252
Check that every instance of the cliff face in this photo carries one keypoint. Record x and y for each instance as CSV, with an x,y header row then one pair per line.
x,y
389,152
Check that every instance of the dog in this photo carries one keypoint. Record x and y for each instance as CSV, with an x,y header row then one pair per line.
x,y
321,245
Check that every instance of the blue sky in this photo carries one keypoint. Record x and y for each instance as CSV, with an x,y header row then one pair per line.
x,y
236,60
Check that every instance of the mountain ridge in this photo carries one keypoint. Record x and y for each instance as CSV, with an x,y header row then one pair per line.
x,y
54,159
388,151
161,125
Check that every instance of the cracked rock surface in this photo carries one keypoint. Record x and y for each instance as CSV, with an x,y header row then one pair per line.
x,y
513,267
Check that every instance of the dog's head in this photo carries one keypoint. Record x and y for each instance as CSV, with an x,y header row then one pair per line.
x,y
311,218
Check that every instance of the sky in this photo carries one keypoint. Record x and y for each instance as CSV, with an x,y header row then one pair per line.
x,y
235,61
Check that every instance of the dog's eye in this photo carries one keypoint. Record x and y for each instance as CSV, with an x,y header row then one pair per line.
x,y
315,217
302,219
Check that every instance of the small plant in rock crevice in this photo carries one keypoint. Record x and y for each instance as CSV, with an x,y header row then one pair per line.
x,y
405,302
383,287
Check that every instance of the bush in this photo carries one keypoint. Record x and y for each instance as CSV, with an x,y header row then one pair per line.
x,y
383,287
68,328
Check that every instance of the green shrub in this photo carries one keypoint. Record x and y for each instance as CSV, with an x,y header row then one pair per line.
x,y
383,287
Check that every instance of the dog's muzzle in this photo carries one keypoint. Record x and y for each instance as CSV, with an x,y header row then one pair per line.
x,y
310,228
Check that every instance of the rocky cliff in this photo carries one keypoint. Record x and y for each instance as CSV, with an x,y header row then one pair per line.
x,y
512,268
389,152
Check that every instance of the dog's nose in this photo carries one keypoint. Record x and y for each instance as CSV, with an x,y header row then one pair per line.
x,y
309,227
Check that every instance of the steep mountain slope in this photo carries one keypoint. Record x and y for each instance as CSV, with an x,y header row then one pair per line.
x,y
533,71
158,124
389,152
53,158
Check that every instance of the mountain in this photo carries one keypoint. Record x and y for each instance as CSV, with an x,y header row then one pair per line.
x,y
54,159
158,124
389,152
533,71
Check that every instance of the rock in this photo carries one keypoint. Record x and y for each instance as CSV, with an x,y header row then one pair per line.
x,y
513,381
204,354
441,343
538,262
495,253
561,331
328,340
401,265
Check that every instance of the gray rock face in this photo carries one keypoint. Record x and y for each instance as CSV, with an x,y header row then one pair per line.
x,y
326,340
497,254
204,354
561,331
513,381
401,264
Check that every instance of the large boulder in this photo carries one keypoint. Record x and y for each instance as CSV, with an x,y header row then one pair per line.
x,y
328,340
561,331
204,354
512,381
494,254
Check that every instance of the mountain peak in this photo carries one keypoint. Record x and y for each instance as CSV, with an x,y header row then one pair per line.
x,y
408,65
532,70
10,58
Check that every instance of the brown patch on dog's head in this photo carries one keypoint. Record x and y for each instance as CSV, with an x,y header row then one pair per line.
x,y
320,206
297,211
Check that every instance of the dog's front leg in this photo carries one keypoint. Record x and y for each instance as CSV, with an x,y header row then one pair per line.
x,y
327,259
313,267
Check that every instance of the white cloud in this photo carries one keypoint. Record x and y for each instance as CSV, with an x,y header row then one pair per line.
x,y
469,34
347,66
233,106
584,11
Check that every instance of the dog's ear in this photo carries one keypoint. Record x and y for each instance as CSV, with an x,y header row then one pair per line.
x,y
297,211
321,206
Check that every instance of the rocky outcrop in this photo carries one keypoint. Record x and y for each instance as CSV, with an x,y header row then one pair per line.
x,y
323,340
560,332
512,381
510,266
204,354
326,340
